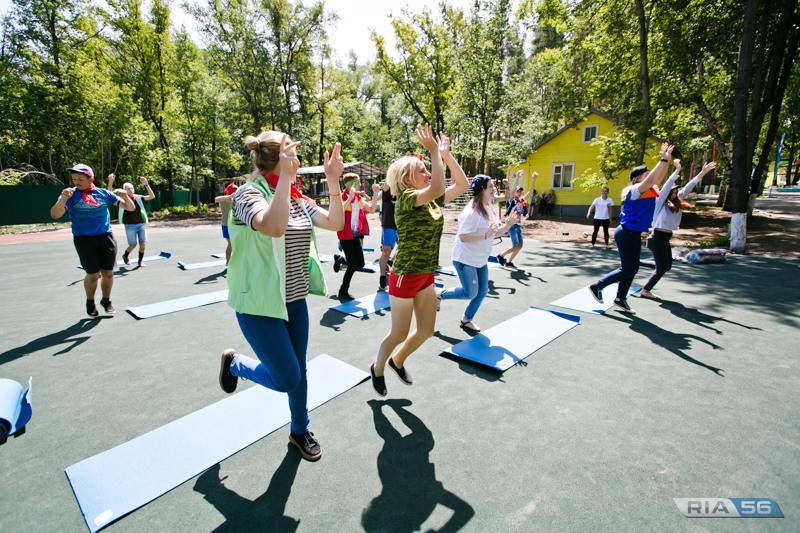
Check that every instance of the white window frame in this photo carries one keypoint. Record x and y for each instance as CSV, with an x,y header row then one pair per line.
x,y
596,132
559,167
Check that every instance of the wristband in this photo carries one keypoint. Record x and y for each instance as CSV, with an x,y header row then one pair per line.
x,y
665,160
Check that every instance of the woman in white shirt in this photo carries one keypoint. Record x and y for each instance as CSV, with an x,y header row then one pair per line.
x,y
666,219
602,214
478,225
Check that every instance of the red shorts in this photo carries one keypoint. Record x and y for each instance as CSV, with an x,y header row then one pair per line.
x,y
408,285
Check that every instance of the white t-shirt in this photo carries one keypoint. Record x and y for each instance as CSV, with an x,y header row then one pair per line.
x,y
602,208
475,253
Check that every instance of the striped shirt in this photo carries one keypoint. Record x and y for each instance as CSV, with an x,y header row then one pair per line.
x,y
249,201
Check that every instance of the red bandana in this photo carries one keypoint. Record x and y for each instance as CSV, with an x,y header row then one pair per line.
x,y
294,192
88,199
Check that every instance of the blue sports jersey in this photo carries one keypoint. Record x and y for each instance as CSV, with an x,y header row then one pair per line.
x,y
637,214
90,219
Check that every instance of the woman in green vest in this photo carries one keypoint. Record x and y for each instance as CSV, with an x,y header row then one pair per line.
x,y
274,264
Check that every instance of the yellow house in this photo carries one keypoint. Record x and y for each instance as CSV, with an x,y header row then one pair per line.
x,y
568,154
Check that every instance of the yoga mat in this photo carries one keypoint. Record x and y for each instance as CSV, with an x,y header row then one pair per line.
x,y
147,259
364,305
181,304
582,299
116,482
15,407
194,266
509,342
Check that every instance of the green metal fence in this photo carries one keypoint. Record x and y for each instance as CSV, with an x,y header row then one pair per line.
x,y
30,204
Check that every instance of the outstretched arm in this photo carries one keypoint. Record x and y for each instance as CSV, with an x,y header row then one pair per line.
x,y
273,220
460,184
150,193
333,219
708,167
436,188
656,175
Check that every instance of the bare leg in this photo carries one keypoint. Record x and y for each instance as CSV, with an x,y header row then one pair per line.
x,y
106,282
514,251
228,252
90,285
402,310
425,313
384,259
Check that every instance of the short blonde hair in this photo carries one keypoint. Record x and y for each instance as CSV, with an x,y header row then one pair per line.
x,y
400,175
265,151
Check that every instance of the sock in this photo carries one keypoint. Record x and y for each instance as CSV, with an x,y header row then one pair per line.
x,y
141,257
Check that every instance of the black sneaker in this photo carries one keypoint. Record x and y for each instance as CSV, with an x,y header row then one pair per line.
x,y
378,382
336,265
91,309
126,258
307,444
622,305
345,296
227,380
383,283
597,292
106,303
509,264
501,260
401,373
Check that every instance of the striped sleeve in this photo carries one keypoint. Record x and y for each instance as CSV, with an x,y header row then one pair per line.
x,y
248,202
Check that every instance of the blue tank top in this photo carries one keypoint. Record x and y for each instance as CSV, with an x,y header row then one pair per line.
x,y
637,214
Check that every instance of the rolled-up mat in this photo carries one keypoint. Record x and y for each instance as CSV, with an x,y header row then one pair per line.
x,y
15,407
582,299
116,482
179,304
509,342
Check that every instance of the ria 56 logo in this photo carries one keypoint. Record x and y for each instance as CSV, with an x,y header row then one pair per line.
x,y
728,507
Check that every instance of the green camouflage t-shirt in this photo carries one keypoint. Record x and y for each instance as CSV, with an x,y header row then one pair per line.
x,y
419,231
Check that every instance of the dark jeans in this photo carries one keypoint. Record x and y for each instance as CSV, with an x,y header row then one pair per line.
x,y
659,245
597,223
354,255
629,245
280,346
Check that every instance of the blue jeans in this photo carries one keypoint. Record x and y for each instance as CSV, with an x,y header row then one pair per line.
x,y
515,232
629,244
281,349
135,231
474,286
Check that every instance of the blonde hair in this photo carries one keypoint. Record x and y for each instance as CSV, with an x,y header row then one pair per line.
x,y
264,151
400,175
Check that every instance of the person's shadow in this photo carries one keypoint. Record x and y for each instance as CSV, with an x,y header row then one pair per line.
x,y
265,513
674,342
410,490
212,278
72,336
698,317
332,319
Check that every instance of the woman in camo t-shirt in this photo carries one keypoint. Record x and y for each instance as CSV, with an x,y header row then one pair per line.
x,y
419,229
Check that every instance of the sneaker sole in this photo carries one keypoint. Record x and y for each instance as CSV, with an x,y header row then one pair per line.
x,y
222,372
303,454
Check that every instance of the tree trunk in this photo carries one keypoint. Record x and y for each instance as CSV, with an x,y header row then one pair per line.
x,y
644,79
738,232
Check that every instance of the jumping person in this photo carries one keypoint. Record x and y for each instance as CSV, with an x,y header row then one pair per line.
x,y
351,236
273,266
639,204
478,226
666,219
91,232
135,220
602,214
514,204
420,222
225,200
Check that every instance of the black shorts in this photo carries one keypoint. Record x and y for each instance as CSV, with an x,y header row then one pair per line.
x,y
96,252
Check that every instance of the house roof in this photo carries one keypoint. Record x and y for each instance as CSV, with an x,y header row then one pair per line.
x,y
574,123
362,169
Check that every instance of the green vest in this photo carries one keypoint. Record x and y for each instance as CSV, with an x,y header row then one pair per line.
x,y
257,268
141,206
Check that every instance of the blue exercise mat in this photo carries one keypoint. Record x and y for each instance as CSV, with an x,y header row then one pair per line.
x,y
194,266
364,305
147,259
509,342
180,304
582,300
15,407
118,481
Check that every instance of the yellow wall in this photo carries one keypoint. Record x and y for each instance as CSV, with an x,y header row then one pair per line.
x,y
568,147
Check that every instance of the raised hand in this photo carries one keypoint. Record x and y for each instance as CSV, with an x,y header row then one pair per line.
x,y
443,142
288,157
143,180
333,165
708,167
677,163
67,193
426,138
121,193
375,188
